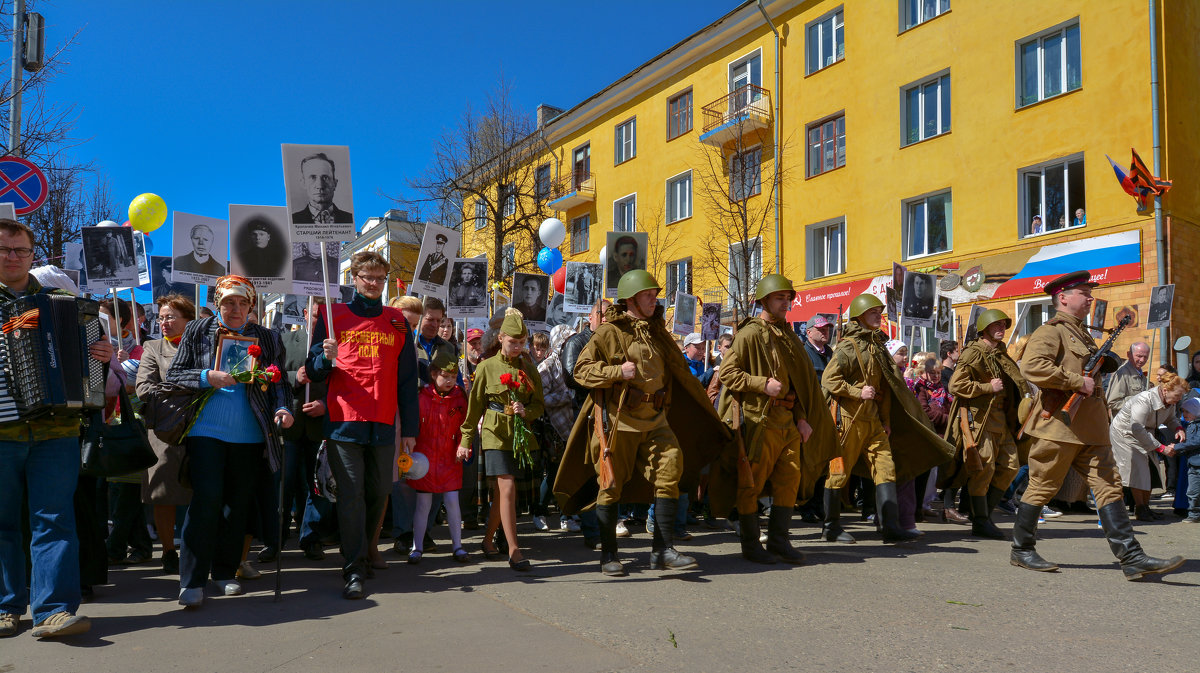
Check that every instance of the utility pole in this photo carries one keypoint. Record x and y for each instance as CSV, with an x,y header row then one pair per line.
x,y
18,66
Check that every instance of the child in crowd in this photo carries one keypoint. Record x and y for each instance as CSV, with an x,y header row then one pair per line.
x,y
1189,450
443,406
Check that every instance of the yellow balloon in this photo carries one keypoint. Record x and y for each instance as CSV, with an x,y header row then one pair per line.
x,y
147,212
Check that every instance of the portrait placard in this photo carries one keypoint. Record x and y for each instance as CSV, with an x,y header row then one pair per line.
x,y
1161,298
1099,313
139,256
582,286
320,200
710,321
160,278
233,353
917,301
306,268
897,295
468,296
530,295
293,308
438,247
684,320
201,246
108,257
555,313
972,333
73,259
626,251
944,326
261,245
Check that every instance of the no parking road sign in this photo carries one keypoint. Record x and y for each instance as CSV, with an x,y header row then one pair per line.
x,y
22,184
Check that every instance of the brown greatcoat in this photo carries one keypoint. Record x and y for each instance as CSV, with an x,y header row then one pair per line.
x,y
701,435
1053,361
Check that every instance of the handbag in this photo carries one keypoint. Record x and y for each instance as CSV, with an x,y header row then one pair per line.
x,y
114,450
169,410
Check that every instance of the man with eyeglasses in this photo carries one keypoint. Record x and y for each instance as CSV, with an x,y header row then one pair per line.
x,y
40,459
371,372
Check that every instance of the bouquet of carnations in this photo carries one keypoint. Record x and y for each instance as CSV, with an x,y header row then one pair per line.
x,y
256,374
522,437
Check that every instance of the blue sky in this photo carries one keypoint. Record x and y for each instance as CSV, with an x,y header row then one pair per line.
x,y
191,100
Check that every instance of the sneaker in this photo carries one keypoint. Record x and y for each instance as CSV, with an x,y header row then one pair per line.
x,y
137,557
9,624
622,531
1049,513
190,598
61,624
246,571
1007,507
650,526
539,522
230,587
569,525
682,536
1191,519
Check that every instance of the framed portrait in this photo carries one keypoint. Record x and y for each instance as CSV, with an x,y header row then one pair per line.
x,y
1161,298
531,293
261,246
108,255
943,327
625,251
468,295
918,301
318,188
233,353
201,248
439,247
1099,312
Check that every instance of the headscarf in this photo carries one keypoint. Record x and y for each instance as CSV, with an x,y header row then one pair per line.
x,y
234,286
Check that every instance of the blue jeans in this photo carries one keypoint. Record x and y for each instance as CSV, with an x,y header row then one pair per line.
x,y
46,472
1193,491
680,514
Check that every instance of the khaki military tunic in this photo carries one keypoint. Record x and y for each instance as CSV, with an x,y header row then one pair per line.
x,y
863,421
992,414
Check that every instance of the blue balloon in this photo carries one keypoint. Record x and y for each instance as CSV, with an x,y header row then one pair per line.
x,y
549,260
149,244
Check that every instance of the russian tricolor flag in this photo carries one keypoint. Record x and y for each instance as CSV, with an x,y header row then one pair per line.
x,y
1114,258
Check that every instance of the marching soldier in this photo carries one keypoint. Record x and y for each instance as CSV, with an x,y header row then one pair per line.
x,y
1054,361
644,400
988,388
771,394
880,420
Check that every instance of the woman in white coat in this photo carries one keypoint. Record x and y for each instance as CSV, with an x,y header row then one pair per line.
x,y
1132,434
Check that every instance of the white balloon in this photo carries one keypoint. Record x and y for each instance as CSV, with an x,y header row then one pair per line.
x,y
107,223
420,466
603,254
552,232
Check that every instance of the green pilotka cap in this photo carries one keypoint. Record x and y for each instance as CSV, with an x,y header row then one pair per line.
x,y
444,359
514,324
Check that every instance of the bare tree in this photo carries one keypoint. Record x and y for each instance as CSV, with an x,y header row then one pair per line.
x,y
76,198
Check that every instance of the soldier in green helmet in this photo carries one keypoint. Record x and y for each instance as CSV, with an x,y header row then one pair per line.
x,y
988,387
772,397
880,421
644,405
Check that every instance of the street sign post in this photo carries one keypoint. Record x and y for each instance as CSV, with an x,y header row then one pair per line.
x,y
22,184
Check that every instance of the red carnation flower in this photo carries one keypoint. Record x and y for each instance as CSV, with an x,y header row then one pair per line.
x,y
274,373
255,350
506,379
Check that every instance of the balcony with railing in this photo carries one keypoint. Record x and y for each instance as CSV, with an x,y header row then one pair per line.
x,y
741,111
573,189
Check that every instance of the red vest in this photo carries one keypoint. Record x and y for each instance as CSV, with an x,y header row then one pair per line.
x,y
362,386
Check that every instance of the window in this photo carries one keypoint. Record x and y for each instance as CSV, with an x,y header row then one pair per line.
x,y
480,214
541,181
625,213
679,115
1052,197
508,196
914,12
508,265
826,145
926,109
1048,65
582,165
679,278
927,226
626,141
745,267
745,174
826,244
826,41
679,197
1040,310
580,230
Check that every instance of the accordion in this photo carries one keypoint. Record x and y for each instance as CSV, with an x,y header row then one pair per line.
x,y
44,361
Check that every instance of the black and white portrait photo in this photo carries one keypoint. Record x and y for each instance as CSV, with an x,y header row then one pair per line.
x,y
201,246
972,333
918,299
943,327
555,313
582,286
160,280
306,267
139,257
233,353
262,247
319,197
685,314
896,295
1160,307
293,308
108,256
530,294
73,259
626,251
1099,313
438,246
468,297
710,321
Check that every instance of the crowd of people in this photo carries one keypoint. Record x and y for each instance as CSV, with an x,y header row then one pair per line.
x,y
375,420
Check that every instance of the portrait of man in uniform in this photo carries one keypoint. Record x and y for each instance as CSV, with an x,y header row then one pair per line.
x,y
1160,307
529,294
318,177
918,299
626,251
436,263
466,285
261,248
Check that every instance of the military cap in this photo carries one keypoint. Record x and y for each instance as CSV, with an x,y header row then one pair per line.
x,y
514,324
444,359
440,238
1068,281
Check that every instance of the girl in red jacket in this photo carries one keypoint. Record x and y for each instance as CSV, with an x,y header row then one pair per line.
x,y
443,406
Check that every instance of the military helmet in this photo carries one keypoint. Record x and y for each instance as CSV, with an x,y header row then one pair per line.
x,y
990,316
863,303
773,282
634,282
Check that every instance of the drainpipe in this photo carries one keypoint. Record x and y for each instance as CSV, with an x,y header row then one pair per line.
x,y
1160,240
778,149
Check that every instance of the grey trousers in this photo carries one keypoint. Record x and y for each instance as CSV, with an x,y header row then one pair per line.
x,y
364,479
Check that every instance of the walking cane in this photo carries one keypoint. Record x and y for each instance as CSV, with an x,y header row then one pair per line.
x,y
279,511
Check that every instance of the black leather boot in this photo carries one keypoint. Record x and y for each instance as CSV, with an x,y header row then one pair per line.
x,y
1143,513
748,532
981,517
1134,562
1024,540
662,551
606,515
832,531
887,513
778,529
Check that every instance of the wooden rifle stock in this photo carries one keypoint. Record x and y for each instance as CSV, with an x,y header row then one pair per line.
x,y
606,478
745,475
971,459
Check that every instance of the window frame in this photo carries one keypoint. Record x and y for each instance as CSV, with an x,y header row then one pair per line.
x,y
541,188
751,279
587,230
1025,217
670,184
733,172
673,284
628,199
1062,29
508,200
905,224
481,213
810,246
620,141
820,124
833,14
904,27
942,79
508,260
671,115
1047,304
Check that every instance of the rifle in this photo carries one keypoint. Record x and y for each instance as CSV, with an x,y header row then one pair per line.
x,y
603,428
971,459
745,475
1092,369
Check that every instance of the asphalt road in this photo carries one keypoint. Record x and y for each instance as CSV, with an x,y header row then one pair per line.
x,y
946,602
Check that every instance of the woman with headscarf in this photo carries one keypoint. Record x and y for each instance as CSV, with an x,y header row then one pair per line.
x,y
226,442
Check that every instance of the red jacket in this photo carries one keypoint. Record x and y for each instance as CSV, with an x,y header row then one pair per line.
x,y
441,417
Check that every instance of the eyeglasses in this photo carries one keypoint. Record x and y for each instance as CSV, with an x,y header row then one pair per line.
x,y
22,253
374,280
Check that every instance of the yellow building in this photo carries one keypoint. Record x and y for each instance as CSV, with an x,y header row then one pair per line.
x,y
966,142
